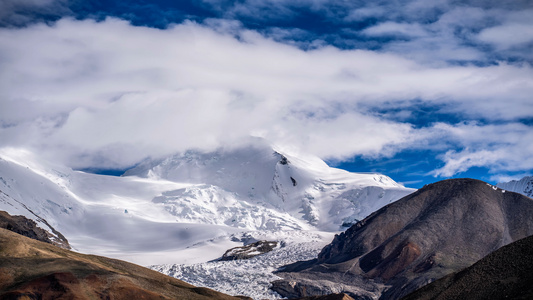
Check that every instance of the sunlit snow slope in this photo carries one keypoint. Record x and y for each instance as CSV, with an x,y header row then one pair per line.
x,y
523,186
164,210
104,215
232,186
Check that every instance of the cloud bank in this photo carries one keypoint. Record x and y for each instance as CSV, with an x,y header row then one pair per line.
x,y
108,94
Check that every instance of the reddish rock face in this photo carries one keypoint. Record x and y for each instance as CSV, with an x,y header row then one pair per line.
x,y
507,273
376,265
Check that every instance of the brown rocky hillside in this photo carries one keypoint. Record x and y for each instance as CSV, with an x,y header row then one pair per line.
x,y
440,229
31,269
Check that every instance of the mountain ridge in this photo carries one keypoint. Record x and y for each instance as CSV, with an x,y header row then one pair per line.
x,y
440,228
28,228
523,186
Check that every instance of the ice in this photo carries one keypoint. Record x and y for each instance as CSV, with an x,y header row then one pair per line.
x,y
251,277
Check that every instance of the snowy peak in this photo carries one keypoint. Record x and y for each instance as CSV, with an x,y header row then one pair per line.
x,y
303,186
239,170
523,186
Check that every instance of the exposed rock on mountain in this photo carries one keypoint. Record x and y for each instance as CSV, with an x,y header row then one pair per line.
x,y
441,228
507,273
250,250
27,227
523,186
31,269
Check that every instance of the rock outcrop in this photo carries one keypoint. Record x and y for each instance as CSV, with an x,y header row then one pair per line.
x,y
250,250
28,228
442,228
328,297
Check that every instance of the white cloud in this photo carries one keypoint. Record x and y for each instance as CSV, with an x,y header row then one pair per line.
x,y
363,13
509,35
108,93
506,178
501,148
396,29
458,162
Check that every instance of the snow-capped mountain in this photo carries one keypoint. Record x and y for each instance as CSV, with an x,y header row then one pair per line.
x,y
523,186
237,185
165,210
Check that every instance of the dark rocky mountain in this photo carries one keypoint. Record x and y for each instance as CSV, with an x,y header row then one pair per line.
x,y
507,273
27,227
442,228
31,269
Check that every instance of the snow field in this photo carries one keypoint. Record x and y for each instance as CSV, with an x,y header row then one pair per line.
x,y
166,209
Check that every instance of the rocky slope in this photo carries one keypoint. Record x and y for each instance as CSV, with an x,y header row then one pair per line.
x,y
435,231
31,269
507,273
27,227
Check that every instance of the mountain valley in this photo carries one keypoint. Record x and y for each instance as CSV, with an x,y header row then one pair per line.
x,y
192,207
180,214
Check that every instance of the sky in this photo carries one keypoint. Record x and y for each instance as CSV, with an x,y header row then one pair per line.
x,y
417,90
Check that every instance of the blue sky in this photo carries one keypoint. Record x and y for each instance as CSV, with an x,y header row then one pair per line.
x,y
417,90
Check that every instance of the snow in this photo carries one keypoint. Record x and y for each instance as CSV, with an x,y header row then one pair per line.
x,y
242,185
523,186
188,208
89,210
251,277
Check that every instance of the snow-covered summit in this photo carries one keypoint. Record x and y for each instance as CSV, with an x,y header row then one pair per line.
x,y
305,187
523,186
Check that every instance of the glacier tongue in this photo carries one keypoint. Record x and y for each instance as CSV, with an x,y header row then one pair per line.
x,y
251,277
